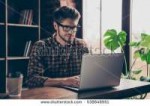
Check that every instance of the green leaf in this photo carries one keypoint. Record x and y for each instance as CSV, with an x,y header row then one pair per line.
x,y
143,35
146,42
122,38
134,44
110,32
112,41
136,54
140,54
148,58
143,57
136,71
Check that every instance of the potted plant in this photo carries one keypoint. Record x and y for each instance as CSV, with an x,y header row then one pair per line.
x,y
143,52
114,40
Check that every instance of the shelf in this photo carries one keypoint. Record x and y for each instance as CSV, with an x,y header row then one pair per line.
x,y
23,25
14,35
2,24
17,58
2,58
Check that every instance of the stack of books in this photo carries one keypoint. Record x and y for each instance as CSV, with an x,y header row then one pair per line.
x,y
26,17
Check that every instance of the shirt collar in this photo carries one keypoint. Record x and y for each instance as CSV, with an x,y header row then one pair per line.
x,y
55,41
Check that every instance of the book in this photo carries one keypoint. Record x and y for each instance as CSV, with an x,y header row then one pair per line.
x,y
26,17
27,49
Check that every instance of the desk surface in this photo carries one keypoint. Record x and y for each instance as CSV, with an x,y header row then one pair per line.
x,y
126,89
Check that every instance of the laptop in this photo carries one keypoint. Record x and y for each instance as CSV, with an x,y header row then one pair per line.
x,y
99,71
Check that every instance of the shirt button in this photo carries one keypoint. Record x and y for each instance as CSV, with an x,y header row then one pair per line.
x,y
64,70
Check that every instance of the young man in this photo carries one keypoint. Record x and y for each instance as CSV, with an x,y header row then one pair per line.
x,y
56,61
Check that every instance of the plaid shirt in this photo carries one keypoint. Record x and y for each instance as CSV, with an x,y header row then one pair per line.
x,y
50,59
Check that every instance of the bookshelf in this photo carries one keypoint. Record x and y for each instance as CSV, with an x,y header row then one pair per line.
x,y
17,58
2,59
2,24
16,31
19,23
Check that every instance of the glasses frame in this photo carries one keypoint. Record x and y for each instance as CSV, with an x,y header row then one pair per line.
x,y
68,28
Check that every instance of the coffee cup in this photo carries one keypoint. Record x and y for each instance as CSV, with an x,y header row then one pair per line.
x,y
14,84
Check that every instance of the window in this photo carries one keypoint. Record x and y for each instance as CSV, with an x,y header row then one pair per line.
x,y
111,17
91,22
97,18
139,24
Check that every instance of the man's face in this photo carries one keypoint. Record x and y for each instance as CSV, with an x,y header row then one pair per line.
x,y
67,29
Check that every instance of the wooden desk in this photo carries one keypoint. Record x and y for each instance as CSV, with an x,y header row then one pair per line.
x,y
126,89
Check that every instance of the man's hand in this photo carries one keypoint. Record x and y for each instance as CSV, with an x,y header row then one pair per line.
x,y
68,81
71,81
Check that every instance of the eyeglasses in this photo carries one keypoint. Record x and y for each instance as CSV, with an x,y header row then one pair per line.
x,y
67,28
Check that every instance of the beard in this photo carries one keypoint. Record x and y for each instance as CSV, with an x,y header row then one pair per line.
x,y
66,39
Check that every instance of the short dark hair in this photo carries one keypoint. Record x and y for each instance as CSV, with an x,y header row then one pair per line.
x,y
65,12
